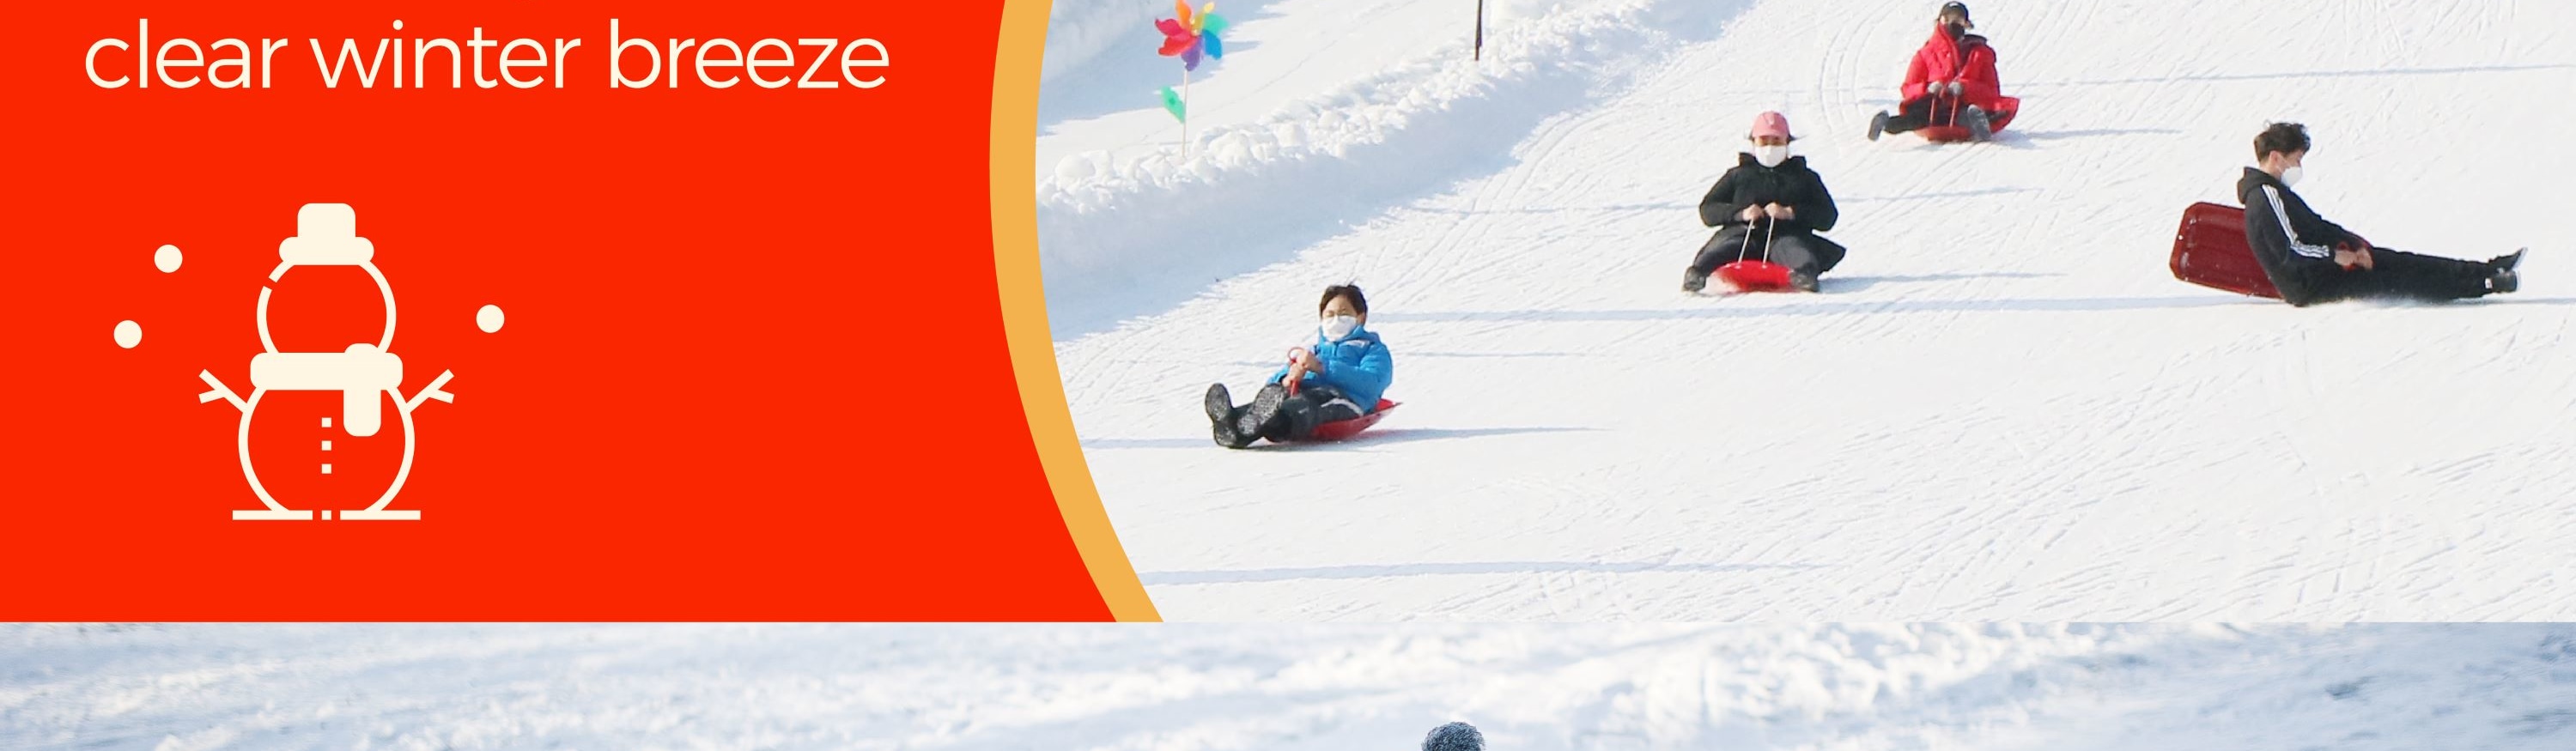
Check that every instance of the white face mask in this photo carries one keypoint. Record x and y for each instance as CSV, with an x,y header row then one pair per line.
x,y
1336,327
1771,156
2290,177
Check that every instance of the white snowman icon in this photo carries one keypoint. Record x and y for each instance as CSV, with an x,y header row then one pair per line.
x,y
326,235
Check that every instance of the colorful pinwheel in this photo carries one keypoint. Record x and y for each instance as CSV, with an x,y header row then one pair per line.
x,y
1192,34
1189,36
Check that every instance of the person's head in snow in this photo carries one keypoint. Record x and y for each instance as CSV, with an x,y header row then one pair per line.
x,y
2311,260
1342,376
1768,208
1455,736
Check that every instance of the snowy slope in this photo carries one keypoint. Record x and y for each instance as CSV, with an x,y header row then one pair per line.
x,y
1286,688
2004,408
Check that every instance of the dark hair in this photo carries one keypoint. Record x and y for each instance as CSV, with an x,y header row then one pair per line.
x,y
1358,301
1957,9
2281,138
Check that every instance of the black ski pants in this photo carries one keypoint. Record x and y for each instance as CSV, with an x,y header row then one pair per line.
x,y
1924,112
1298,415
2399,275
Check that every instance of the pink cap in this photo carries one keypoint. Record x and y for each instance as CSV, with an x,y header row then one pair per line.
x,y
1770,124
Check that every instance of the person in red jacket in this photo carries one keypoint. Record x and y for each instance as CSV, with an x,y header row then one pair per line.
x,y
1951,82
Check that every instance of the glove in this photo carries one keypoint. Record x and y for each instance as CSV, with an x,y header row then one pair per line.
x,y
1956,89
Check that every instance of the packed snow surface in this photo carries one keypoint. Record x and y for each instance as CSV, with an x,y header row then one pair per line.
x,y
1327,687
2003,406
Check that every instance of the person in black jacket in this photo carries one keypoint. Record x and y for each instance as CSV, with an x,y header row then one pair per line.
x,y
2311,260
1769,207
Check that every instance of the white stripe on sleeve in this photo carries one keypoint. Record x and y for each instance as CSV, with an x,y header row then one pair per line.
x,y
2283,214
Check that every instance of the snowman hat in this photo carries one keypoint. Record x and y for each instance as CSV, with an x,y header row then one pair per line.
x,y
326,234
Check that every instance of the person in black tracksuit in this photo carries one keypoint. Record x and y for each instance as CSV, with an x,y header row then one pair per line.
x,y
1769,207
2311,260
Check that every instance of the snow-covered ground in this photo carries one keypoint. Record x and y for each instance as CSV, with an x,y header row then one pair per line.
x,y
2003,408
1214,687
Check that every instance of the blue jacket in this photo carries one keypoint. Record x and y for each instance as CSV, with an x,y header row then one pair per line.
x,y
1359,365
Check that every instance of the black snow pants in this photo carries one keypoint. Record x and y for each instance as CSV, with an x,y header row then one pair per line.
x,y
2395,274
1924,112
1313,405
1276,415
1798,251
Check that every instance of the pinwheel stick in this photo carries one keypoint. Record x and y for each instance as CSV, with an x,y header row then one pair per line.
x,y
1479,54
1185,113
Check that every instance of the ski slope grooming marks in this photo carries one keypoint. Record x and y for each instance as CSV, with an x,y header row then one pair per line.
x,y
1126,227
1216,687
2002,407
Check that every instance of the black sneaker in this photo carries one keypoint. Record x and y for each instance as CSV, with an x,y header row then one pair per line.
x,y
1264,407
2507,262
1220,412
1694,280
2503,280
1878,125
1979,128
1805,282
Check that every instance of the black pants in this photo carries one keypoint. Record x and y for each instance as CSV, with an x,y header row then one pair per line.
x,y
2399,275
1923,112
1298,415
1798,251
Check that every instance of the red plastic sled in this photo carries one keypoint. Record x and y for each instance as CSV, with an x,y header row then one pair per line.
x,y
1755,276
1338,430
2209,250
1995,120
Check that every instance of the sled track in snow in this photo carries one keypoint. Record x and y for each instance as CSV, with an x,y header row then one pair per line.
x,y
2003,408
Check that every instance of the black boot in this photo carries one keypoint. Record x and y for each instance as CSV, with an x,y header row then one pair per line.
x,y
1694,280
1878,125
2507,262
1222,418
1805,282
1256,418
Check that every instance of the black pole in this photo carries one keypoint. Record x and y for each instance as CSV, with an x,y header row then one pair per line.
x,y
1480,30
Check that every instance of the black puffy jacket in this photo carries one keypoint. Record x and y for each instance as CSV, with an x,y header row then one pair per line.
x,y
1791,184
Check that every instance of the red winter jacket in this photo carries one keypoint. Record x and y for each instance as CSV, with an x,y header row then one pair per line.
x,y
1967,60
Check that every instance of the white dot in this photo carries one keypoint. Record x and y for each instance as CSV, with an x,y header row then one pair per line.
x,y
397,24
166,259
128,334
488,319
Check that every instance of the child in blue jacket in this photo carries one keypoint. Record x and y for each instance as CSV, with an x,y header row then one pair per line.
x,y
1339,378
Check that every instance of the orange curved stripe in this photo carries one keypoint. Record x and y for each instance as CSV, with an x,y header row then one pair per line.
x,y
1018,58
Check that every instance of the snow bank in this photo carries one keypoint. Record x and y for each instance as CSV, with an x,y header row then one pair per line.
x,y
1183,687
